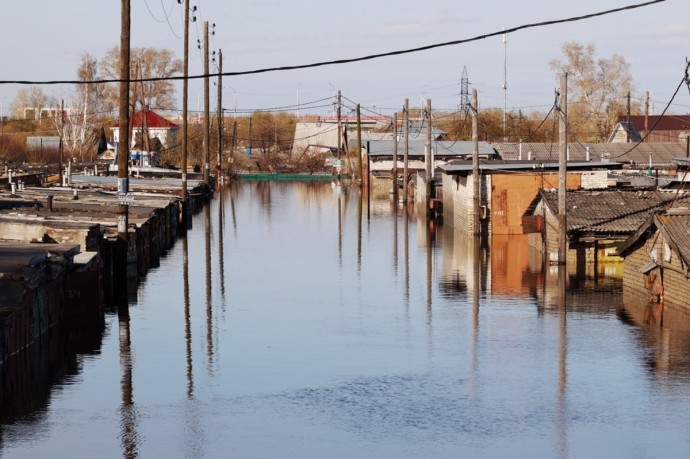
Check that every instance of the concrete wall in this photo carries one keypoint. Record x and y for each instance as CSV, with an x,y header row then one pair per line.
x,y
458,201
37,230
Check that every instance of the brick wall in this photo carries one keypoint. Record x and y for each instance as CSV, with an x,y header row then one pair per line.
x,y
594,180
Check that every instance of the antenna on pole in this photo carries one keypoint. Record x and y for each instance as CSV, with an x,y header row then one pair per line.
x,y
464,92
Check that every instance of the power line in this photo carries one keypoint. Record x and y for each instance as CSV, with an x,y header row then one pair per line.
x,y
358,59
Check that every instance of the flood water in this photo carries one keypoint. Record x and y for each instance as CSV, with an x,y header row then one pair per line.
x,y
297,322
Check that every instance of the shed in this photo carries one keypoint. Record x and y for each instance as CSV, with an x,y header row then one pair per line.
x,y
507,190
597,221
657,257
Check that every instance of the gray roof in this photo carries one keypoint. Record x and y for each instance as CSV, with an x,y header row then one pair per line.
x,y
677,229
609,212
441,148
461,167
662,154
674,223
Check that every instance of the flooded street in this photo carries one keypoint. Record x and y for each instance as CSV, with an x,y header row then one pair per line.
x,y
296,321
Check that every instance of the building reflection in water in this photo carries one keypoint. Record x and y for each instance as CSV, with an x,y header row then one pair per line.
x,y
664,332
28,378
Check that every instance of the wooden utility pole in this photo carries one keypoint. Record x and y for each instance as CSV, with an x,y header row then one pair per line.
x,y
359,145
219,166
123,144
185,90
122,160
62,147
646,114
627,120
476,231
406,150
207,113
562,170
429,168
340,136
394,171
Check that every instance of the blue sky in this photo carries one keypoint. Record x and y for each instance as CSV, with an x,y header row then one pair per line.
x,y
45,39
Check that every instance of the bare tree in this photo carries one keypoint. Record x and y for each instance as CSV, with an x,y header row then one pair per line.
x,y
597,88
79,134
29,102
92,94
146,63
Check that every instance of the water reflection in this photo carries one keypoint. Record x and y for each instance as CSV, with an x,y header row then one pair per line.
x,y
665,332
129,436
209,287
187,320
328,350
28,379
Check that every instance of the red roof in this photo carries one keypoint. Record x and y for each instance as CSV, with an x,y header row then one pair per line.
x,y
666,122
153,121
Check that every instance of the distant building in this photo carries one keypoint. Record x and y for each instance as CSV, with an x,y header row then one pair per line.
x,y
507,190
666,128
158,127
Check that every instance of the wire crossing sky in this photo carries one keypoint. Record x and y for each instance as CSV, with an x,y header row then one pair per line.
x,y
269,37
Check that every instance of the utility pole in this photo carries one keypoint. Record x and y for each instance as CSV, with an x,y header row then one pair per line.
x,y
406,151
185,90
62,130
562,170
394,172
627,121
219,166
476,231
122,149
429,168
359,145
207,113
646,114
340,133
505,83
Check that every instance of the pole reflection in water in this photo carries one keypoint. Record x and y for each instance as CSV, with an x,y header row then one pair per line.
x,y
359,231
339,195
209,303
406,249
187,319
476,285
129,437
429,264
562,362
221,233
394,208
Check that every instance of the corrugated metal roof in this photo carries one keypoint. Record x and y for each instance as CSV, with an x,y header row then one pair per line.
x,y
611,212
441,148
662,154
466,166
677,228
